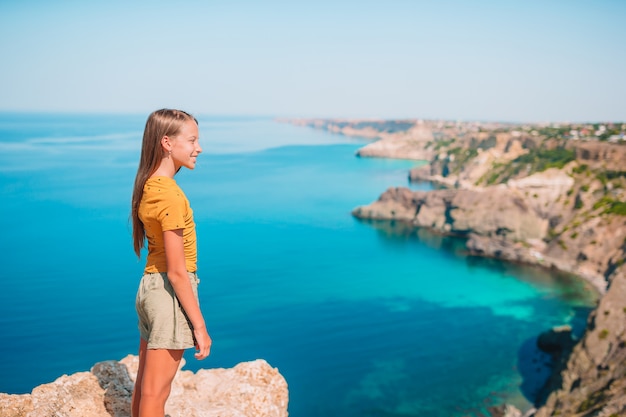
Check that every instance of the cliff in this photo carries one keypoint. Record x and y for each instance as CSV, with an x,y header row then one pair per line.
x,y
248,389
550,195
591,379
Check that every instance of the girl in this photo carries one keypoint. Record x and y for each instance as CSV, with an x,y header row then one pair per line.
x,y
167,300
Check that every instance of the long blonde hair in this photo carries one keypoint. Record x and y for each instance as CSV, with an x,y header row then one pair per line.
x,y
164,122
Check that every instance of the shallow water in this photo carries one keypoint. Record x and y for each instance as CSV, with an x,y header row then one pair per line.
x,y
361,318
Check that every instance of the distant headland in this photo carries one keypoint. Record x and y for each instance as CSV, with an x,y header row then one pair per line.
x,y
550,194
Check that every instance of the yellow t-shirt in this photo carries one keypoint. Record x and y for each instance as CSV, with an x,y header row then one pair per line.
x,y
163,207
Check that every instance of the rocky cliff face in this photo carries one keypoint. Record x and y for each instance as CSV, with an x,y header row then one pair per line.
x,y
248,389
601,155
495,212
591,381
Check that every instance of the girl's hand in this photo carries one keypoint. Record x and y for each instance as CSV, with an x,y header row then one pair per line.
x,y
203,343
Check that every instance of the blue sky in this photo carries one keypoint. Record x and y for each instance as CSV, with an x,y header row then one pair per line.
x,y
486,60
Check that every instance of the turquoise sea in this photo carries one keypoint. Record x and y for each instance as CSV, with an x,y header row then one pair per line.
x,y
362,319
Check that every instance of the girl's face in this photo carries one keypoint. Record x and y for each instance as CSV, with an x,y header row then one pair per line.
x,y
186,146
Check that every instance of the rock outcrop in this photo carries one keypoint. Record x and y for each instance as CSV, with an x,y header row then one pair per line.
x,y
601,155
495,212
410,144
248,389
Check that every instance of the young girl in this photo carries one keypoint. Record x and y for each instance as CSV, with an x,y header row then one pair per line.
x,y
167,300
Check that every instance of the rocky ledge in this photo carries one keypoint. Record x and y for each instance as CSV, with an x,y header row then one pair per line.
x,y
248,389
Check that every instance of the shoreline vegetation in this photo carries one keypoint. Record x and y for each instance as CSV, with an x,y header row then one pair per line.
x,y
552,195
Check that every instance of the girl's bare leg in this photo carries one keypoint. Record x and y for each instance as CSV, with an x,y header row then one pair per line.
x,y
143,347
154,380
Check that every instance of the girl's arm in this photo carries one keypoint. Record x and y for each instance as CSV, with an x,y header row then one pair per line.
x,y
177,274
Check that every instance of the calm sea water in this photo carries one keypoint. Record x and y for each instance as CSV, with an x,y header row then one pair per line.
x,y
362,319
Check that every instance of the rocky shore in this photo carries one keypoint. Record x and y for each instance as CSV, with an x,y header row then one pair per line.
x,y
248,389
548,195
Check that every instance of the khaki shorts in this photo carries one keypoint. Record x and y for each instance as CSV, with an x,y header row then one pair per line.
x,y
162,321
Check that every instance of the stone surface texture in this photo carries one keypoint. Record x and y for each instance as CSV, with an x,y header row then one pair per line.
x,y
249,389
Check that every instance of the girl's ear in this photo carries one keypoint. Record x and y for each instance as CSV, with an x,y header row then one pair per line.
x,y
166,143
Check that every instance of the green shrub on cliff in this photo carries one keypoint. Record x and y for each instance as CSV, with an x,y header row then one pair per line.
x,y
491,176
602,202
615,174
578,204
617,207
591,401
605,176
461,157
536,160
542,159
444,143
611,206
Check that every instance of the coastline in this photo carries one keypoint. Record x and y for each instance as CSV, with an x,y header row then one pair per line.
x,y
414,144
531,194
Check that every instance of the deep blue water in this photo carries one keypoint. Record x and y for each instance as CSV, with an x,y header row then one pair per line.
x,y
362,319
